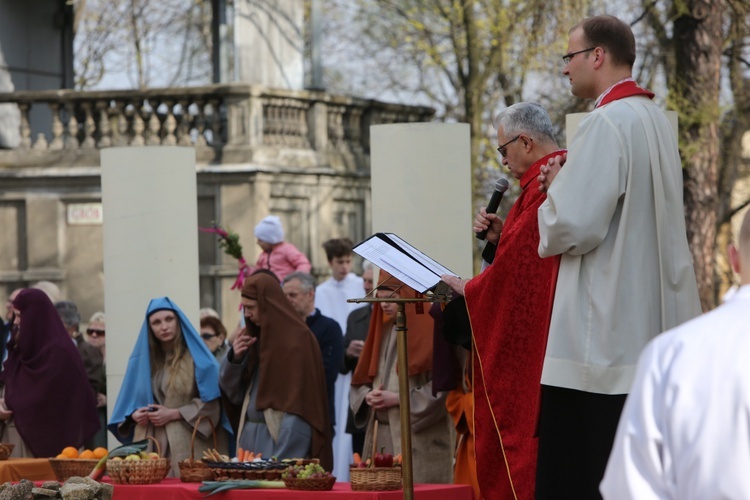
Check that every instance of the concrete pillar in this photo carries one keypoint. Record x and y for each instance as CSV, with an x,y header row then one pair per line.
x,y
150,208
421,189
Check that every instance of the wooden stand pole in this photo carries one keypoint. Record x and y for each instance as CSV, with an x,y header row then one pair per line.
x,y
404,404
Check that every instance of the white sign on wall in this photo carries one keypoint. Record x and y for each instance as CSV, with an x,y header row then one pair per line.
x,y
85,214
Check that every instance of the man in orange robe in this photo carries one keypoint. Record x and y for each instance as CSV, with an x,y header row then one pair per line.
x,y
508,306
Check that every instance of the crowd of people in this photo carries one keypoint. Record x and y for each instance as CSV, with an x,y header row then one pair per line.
x,y
544,377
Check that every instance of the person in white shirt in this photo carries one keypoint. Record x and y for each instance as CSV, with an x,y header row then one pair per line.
x,y
331,298
685,432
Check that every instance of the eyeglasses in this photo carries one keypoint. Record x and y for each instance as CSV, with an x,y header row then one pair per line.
x,y
567,57
502,149
208,336
94,331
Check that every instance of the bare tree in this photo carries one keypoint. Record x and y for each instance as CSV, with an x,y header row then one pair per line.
x,y
693,38
143,43
467,58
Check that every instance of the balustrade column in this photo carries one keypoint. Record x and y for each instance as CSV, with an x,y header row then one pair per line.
x,y
318,126
105,132
25,127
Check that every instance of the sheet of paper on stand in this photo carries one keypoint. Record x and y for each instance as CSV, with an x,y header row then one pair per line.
x,y
410,265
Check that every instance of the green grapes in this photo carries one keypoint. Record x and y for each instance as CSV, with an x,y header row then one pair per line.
x,y
311,470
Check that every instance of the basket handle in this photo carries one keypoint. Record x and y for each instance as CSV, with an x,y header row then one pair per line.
x,y
157,446
195,429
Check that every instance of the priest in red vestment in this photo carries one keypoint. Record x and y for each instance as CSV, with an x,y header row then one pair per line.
x,y
508,306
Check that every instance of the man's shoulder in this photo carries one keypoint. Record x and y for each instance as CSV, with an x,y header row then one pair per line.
x,y
325,284
720,326
360,313
88,350
325,322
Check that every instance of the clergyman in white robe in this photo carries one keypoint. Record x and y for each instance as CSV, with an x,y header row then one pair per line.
x,y
331,298
685,429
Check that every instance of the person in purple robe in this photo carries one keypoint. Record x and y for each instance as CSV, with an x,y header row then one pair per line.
x,y
47,393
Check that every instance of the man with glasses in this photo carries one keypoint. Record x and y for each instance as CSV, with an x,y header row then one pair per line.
x,y
615,217
507,305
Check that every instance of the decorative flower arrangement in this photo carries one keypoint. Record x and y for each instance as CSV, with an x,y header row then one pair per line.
x,y
229,241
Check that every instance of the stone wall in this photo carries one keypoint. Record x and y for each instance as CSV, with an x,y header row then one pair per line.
x,y
303,156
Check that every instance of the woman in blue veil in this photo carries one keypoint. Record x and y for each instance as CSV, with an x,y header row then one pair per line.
x,y
172,380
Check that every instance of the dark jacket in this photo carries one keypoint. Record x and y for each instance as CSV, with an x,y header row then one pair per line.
x,y
357,326
330,339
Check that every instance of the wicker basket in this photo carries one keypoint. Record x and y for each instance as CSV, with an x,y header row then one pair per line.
x,y
65,468
375,478
310,483
225,471
192,470
5,450
147,471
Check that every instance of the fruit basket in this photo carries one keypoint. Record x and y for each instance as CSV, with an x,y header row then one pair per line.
x,y
146,471
65,468
311,483
375,478
192,470
5,450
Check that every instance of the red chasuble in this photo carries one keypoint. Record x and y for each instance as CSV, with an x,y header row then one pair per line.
x,y
508,306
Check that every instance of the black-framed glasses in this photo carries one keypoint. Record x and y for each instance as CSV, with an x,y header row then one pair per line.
x,y
567,57
208,336
503,149
95,331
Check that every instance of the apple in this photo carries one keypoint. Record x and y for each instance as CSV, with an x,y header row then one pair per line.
x,y
133,457
116,458
154,456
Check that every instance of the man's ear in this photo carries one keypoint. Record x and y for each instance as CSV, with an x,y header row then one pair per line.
x,y
734,257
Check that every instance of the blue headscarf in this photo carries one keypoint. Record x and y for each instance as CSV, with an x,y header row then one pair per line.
x,y
136,387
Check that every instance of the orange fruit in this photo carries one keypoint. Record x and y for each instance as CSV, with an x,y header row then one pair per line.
x,y
61,456
87,454
100,452
70,452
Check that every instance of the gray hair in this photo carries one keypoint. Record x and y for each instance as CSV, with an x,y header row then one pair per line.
x,y
366,264
307,281
68,312
97,317
526,117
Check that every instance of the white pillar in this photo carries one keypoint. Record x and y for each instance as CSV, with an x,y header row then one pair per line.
x,y
149,200
421,189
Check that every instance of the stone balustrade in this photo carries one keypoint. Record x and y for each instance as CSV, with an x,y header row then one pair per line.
x,y
234,123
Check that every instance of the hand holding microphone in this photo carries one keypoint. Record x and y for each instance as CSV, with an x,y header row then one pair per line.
x,y
501,186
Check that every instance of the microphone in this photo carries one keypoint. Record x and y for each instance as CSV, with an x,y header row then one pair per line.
x,y
501,186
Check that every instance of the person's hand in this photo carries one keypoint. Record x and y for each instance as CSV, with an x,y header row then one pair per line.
x,y
378,399
5,413
457,284
161,415
550,171
242,343
101,400
355,348
140,416
490,222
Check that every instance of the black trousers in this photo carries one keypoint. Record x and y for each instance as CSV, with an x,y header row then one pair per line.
x,y
576,433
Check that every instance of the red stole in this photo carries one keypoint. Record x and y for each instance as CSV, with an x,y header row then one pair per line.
x,y
508,306
624,88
